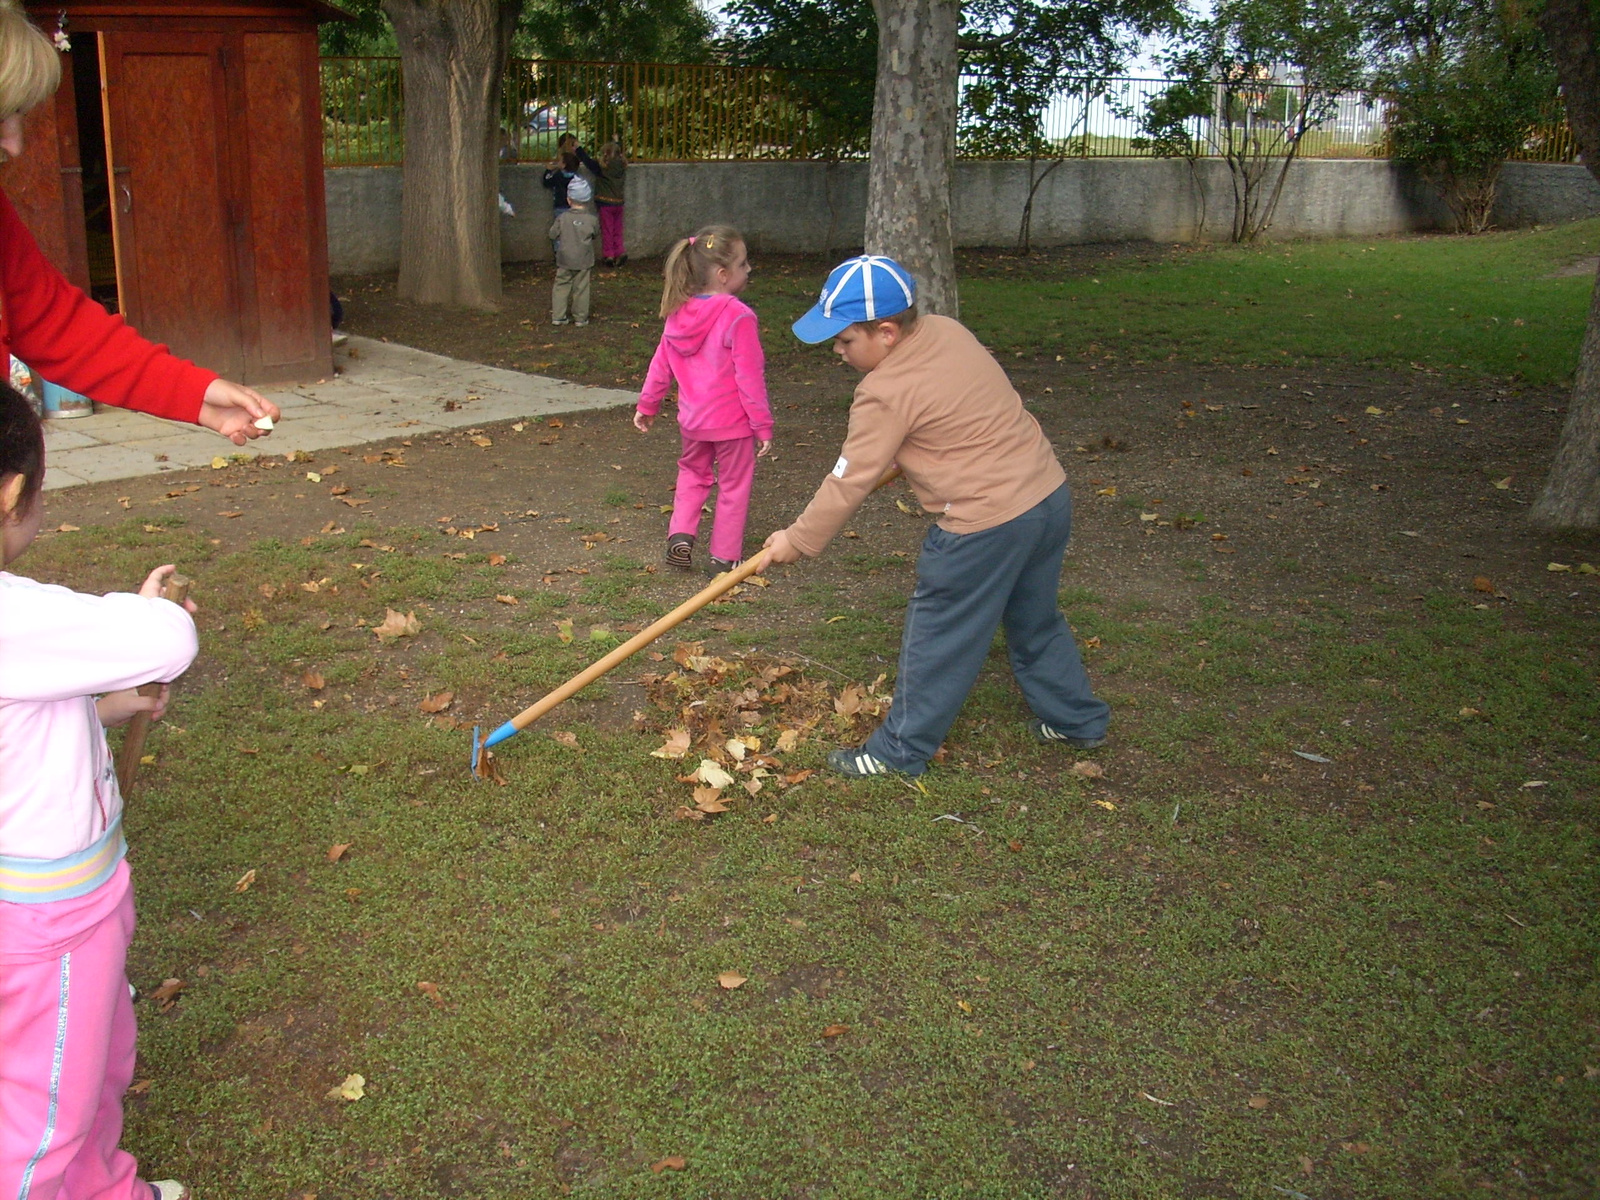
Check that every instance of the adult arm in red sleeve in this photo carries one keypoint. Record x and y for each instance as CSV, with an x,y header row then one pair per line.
x,y
72,341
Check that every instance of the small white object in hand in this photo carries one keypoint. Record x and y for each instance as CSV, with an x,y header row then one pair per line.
x,y
263,423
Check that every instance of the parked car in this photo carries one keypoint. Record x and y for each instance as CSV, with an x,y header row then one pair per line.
x,y
545,118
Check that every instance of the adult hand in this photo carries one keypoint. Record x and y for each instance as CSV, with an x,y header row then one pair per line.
x,y
232,409
764,448
778,549
118,708
643,421
154,582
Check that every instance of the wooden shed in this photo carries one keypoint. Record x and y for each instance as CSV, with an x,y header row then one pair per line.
x,y
178,176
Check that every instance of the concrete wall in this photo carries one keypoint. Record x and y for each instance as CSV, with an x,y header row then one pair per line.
x,y
812,207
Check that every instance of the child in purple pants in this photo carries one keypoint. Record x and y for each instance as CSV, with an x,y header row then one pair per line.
x,y
712,347
66,905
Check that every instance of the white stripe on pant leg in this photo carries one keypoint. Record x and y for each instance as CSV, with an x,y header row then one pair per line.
x,y
55,1077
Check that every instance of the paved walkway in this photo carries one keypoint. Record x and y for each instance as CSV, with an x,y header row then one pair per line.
x,y
381,391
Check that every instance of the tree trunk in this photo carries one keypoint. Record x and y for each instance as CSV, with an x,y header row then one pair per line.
x,y
452,56
914,145
1570,498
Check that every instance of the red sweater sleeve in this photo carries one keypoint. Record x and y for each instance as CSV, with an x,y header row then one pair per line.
x,y
70,340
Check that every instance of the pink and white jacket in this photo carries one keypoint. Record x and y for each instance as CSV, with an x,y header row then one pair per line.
x,y
712,347
60,810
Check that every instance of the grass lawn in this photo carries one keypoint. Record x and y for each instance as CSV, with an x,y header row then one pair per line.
x,y
1318,923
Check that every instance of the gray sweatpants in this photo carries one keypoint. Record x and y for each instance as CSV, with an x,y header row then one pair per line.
x,y
573,285
969,585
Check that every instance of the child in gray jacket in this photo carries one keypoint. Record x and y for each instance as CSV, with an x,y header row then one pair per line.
x,y
573,232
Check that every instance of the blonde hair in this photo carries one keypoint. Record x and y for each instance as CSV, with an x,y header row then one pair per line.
x,y
692,261
30,68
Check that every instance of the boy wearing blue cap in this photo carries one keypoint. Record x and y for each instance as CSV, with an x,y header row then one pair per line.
x,y
936,402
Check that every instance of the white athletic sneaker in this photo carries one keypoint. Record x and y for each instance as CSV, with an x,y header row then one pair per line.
x,y
169,1189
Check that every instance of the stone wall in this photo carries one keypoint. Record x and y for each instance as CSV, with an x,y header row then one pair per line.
x,y
815,207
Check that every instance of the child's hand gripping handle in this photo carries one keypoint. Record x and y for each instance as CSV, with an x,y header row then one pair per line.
x,y
176,590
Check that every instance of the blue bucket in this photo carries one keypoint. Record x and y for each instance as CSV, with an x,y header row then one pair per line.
x,y
60,403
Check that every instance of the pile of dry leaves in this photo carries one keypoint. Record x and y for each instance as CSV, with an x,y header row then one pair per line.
x,y
709,707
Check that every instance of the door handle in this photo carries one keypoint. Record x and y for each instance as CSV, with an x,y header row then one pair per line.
x,y
127,199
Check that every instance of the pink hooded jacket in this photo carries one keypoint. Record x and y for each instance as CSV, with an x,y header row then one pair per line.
x,y
712,347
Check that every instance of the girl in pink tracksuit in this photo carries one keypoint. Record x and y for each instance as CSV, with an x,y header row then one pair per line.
x,y
712,347
66,908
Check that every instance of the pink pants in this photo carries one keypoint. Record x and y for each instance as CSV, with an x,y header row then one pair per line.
x,y
611,231
735,463
66,1058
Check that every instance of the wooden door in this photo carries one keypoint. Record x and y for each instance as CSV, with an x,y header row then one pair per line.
x,y
173,210
284,264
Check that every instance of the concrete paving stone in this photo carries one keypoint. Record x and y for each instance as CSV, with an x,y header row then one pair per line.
x,y
55,477
112,424
195,449
335,393
57,439
96,464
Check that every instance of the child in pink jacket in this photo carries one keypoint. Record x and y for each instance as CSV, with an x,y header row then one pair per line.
x,y
712,347
66,907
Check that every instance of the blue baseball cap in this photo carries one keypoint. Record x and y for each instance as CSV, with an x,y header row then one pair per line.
x,y
868,288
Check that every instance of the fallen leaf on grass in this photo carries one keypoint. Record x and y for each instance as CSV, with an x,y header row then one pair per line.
x,y
397,626
1482,583
712,775
431,991
1107,805
833,1031
1258,1101
788,739
566,738
353,1088
1084,769
799,776
245,880
338,850
1310,757
508,599
166,995
672,1162
139,1087
497,560
1158,1100
1536,783
729,980
564,630
676,746
438,702
964,1006
708,800
314,681
1555,566
482,441
154,529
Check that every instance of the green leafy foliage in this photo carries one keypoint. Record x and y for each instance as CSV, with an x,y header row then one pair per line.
x,y
1466,82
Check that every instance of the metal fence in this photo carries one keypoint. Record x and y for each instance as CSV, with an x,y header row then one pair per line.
x,y
705,112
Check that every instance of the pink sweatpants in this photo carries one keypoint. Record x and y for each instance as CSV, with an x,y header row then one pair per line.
x,y
66,1058
611,231
735,463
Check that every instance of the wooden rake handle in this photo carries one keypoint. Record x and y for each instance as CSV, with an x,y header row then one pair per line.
x,y
717,587
176,590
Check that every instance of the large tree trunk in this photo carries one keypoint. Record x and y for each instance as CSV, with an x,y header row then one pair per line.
x,y
452,56
1570,498
914,145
